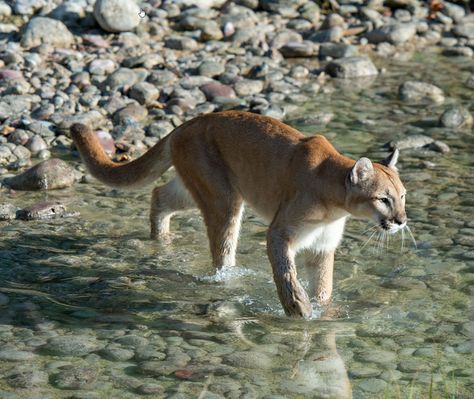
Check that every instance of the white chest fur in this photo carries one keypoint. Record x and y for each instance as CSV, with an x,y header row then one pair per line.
x,y
320,237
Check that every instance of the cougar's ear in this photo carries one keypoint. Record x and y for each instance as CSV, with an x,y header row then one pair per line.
x,y
391,160
362,170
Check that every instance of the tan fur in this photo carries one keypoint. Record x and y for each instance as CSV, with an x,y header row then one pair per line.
x,y
301,185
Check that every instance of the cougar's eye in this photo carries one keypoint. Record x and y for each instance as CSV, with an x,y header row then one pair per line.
x,y
385,201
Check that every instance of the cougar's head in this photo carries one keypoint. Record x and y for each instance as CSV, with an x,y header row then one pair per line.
x,y
374,190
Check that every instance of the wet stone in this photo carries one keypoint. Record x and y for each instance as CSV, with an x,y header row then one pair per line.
x,y
395,33
47,175
117,353
456,116
248,87
413,365
13,355
75,378
460,51
213,90
71,345
337,50
43,210
363,372
373,385
351,67
377,356
296,49
144,93
417,92
26,378
251,360
414,141
7,212
150,389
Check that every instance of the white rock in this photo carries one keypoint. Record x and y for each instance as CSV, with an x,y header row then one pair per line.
x,y
117,15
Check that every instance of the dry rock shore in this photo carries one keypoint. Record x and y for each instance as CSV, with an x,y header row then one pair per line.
x,y
134,71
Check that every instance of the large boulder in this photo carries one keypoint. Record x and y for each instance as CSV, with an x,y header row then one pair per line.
x,y
117,15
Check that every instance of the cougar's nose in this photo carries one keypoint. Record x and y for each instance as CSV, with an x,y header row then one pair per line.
x,y
401,219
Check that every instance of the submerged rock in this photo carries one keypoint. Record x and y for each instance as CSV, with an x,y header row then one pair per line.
x,y
415,141
47,175
456,117
417,92
7,211
44,210
351,67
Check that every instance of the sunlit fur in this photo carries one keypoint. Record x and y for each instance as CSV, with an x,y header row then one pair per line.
x,y
302,186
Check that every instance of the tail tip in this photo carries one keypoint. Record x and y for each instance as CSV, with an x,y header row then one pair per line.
x,y
79,129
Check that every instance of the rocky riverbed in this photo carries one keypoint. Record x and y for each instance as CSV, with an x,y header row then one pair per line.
x,y
90,308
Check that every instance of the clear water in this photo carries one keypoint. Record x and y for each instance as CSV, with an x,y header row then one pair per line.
x,y
401,325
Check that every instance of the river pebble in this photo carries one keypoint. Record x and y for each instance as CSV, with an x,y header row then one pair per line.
x,y
416,92
117,15
72,345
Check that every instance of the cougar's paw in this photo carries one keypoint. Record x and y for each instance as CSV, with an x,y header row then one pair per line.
x,y
296,302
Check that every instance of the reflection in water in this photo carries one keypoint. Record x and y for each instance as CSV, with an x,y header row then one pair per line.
x,y
321,372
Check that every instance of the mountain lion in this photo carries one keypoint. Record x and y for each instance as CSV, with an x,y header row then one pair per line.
x,y
300,185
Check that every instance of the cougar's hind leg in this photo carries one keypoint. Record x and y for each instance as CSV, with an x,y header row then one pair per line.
x,y
166,200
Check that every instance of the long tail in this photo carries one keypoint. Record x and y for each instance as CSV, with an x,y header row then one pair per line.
x,y
136,173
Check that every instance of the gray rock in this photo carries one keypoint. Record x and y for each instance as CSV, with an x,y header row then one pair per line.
x,y
13,355
159,129
296,49
470,82
44,210
464,29
415,141
72,345
102,67
122,77
150,389
377,356
117,15
75,378
215,89
337,50
145,93
132,112
5,10
373,385
147,61
416,92
456,116
158,368
395,33
7,212
439,146
22,152
93,119
43,30
351,67
248,87
47,175
211,68
413,365
117,354
453,11
461,51
27,7
36,144
329,35
181,43
249,360
26,378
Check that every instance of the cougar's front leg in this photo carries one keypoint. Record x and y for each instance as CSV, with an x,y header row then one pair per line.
x,y
292,295
319,266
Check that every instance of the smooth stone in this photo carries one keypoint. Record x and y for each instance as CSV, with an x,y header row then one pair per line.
x,y
211,68
377,356
337,50
122,77
364,372
132,112
93,119
250,360
26,378
373,385
159,129
150,389
417,92
464,29
456,116
117,15
454,11
145,93
117,354
413,365
75,378
102,67
439,146
470,82
333,35
351,67
296,49
7,212
215,89
13,355
72,345
47,175
42,210
461,51
158,368
181,43
134,341
44,30
415,141
395,33
391,375
36,144
248,87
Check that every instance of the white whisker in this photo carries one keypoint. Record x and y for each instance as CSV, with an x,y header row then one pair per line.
x,y
363,246
403,239
411,235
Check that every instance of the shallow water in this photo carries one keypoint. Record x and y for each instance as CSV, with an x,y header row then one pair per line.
x,y
147,318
